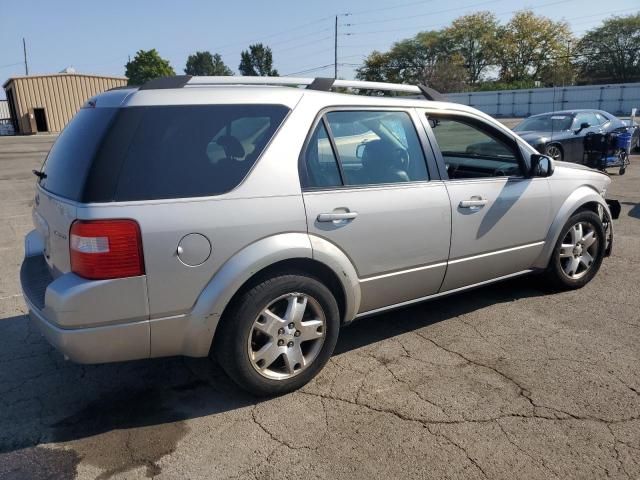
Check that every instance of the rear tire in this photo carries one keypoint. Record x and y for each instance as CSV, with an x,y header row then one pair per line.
x,y
578,253
278,334
554,151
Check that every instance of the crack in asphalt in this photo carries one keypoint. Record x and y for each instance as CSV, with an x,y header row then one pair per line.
x,y
521,390
462,449
523,451
615,448
409,387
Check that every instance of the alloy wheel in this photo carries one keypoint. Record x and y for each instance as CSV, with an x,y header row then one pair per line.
x,y
579,250
287,336
554,152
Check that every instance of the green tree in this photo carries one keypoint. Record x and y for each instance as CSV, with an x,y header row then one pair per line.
x,y
408,61
611,52
147,65
474,38
257,62
204,63
421,59
530,45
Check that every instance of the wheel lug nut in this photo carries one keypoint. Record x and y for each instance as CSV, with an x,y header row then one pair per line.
x,y
281,331
280,343
297,334
291,325
290,344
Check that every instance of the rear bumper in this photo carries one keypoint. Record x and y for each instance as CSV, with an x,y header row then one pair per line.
x,y
111,343
64,310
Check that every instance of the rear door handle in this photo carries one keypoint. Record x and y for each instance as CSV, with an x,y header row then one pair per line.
x,y
336,216
473,202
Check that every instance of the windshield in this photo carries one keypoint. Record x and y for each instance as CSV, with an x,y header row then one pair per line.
x,y
546,123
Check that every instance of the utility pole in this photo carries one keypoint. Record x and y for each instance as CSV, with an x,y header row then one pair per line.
x,y
24,49
335,50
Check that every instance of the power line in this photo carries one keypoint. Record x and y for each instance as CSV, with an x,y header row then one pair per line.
x,y
305,44
11,64
436,25
307,55
301,36
282,32
381,9
395,19
322,67
605,13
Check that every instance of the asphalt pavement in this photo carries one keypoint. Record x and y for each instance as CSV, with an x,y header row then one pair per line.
x,y
503,382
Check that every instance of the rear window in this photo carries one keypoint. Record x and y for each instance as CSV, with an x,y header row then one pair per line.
x,y
146,153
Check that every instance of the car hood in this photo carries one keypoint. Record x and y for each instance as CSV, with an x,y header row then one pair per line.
x,y
575,166
533,137
599,181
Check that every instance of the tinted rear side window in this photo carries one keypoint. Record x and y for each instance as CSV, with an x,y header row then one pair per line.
x,y
71,156
161,152
193,151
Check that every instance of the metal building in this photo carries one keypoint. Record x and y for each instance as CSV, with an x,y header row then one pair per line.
x,y
46,103
4,110
6,127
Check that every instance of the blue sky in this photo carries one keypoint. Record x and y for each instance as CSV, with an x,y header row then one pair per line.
x,y
97,37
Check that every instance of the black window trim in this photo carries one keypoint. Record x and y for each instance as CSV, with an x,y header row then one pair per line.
x,y
483,126
334,148
433,173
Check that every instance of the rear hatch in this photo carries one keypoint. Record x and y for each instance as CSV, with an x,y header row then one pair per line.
x,y
138,153
63,182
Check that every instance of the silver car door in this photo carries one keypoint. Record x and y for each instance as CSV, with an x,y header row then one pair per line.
x,y
500,217
380,208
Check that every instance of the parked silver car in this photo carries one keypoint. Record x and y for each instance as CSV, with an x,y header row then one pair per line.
x,y
217,215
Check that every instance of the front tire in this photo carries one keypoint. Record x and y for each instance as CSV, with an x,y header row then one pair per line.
x,y
278,334
578,253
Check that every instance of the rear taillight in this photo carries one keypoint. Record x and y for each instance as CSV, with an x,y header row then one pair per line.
x,y
102,249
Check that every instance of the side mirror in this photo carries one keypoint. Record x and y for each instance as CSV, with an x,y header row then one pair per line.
x,y
433,122
360,150
583,125
541,166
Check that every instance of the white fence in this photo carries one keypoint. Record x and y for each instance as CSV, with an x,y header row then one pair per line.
x,y
617,99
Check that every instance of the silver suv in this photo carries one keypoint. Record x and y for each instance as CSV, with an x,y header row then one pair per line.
x,y
249,218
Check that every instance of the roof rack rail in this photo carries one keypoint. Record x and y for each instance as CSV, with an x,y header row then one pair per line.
x,y
322,84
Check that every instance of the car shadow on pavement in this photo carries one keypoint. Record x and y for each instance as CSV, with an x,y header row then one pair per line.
x,y
635,209
46,399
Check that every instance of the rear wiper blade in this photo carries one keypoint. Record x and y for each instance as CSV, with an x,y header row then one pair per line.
x,y
39,174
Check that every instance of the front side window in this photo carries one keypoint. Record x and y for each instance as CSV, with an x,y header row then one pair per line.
x,y
585,117
377,147
470,150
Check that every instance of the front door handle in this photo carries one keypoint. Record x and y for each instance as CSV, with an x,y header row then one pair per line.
x,y
473,202
336,216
